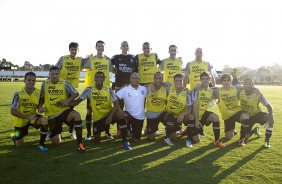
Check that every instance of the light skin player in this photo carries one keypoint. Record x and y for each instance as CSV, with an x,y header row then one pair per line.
x,y
171,65
56,94
201,102
231,112
23,109
194,69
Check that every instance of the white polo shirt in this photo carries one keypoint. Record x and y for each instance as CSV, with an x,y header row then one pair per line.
x,y
134,100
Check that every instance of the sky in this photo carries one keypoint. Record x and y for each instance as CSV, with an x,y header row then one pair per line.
x,y
231,32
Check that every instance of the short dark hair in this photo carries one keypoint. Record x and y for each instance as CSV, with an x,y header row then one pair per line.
x,y
99,41
146,43
54,68
29,74
205,74
99,72
157,74
226,76
172,46
177,76
73,45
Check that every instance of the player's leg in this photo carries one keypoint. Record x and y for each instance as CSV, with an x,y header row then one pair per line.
x,y
213,118
88,120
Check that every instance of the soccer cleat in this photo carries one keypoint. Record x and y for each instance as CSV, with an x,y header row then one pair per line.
x,y
43,148
257,132
72,136
48,138
168,142
267,144
126,145
218,143
242,142
109,136
189,143
179,132
88,137
80,148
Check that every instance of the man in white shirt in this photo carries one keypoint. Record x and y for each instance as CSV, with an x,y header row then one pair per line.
x,y
134,96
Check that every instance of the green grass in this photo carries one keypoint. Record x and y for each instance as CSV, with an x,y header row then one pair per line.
x,y
147,163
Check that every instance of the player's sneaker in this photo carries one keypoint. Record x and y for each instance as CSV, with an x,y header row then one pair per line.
x,y
189,143
109,136
218,143
88,137
257,132
157,133
72,136
126,145
80,148
179,132
43,148
48,138
242,142
267,144
168,142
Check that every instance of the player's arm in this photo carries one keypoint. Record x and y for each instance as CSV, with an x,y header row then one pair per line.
x,y
263,100
212,77
195,108
186,75
114,99
161,65
71,93
59,64
158,60
41,109
84,95
180,118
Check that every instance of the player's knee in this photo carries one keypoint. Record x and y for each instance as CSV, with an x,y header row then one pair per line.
x,y
75,116
244,116
43,121
56,139
229,134
214,117
196,139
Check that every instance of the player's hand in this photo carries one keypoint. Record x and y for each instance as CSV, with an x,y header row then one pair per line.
x,y
197,124
32,117
41,110
63,103
108,120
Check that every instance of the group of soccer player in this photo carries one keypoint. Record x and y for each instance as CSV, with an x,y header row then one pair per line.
x,y
142,83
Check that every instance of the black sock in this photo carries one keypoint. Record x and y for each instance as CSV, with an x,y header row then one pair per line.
x,y
88,128
190,131
123,129
78,130
43,134
107,130
216,130
71,128
268,134
244,128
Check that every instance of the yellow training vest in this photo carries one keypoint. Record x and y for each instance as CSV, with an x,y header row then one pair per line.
x,y
204,99
71,70
28,106
101,103
171,68
147,67
195,71
228,102
54,93
250,104
97,64
155,102
177,103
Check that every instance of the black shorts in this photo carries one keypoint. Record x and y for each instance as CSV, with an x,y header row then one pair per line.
x,y
56,124
229,124
136,125
258,118
152,124
205,118
21,132
100,125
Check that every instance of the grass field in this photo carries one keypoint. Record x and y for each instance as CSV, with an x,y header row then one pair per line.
x,y
147,162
